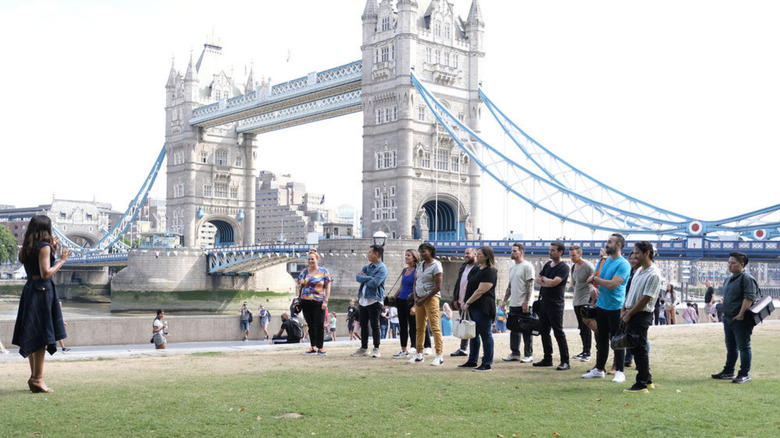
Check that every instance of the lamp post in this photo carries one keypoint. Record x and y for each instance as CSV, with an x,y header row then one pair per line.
x,y
380,239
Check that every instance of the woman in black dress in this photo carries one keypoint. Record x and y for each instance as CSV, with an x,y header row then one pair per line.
x,y
39,323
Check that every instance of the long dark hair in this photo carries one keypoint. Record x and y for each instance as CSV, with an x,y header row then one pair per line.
x,y
38,230
489,256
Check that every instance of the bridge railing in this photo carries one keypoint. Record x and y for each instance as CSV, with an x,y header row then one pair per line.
x,y
94,259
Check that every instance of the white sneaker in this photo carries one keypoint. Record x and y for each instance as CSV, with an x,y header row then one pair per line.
x,y
428,351
375,353
595,374
511,358
401,355
619,377
438,360
416,358
412,351
360,352
527,359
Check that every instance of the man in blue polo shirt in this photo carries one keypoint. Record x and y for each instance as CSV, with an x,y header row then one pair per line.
x,y
611,281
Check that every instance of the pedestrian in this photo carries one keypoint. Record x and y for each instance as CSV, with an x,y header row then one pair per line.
x,y
370,295
39,324
552,282
384,322
480,302
446,320
500,322
61,341
670,308
394,321
520,293
352,316
314,290
427,295
709,298
159,331
459,293
333,326
611,282
637,312
739,292
265,317
292,327
404,299
581,270
689,314
246,319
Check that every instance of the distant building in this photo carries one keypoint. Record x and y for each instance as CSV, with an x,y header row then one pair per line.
x,y
83,222
285,212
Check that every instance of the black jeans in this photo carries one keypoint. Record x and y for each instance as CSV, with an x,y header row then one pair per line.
x,y
638,325
514,336
585,334
551,317
408,325
370,315
315,319
608,322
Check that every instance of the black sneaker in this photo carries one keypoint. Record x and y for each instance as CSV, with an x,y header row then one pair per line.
x,y
636,389
482,367
459,352
64,349
741,379
468,365
564,366
544,363
578,356
723,376
584,357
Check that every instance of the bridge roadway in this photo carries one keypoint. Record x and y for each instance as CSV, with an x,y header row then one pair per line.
x,y
243,260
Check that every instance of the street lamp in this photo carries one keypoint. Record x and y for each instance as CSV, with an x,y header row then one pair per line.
x,y
380,238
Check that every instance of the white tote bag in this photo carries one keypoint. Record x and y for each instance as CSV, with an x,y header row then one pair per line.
x,y
464,328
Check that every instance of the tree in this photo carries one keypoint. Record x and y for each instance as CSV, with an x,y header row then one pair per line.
x,y
8,248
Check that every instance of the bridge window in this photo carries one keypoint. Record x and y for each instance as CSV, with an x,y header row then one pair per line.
x,y
178,157
395,113
447,31
437,57
392,51
178,190
385,23
378,161
437,29
428,54
221,158
378,116
421,114
455,164
207,190
426,160
392,191
442,159
239,162
455,61
385,54
376,192
446,58
387,114
204,157
234,193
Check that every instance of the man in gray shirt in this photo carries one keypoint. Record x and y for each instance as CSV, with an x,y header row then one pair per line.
x,y
521,291
580,272
739,292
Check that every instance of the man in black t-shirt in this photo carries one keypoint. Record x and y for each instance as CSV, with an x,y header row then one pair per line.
x,y
552,282
293,332
352,315
709,301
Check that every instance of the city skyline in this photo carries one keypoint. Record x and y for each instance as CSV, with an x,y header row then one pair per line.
x,y
685,90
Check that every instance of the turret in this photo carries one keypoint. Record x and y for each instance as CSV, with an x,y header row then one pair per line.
x,y
191,82
250,80
475,27
370,18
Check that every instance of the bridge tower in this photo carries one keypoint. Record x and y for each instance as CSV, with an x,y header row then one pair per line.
x,y
211,171
417,183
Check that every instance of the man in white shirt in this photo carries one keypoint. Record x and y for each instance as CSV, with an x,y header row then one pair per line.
x,y
637,312
519,293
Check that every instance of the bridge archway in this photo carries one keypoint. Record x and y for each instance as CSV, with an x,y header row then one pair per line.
x,y
443,221
218,231
82,239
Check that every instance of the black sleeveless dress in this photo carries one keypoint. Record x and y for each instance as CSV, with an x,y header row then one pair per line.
x,y
39,320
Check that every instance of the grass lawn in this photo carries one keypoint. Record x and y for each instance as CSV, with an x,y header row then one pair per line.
x,y
284,393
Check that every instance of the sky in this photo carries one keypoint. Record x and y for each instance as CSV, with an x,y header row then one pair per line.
x,y
673,102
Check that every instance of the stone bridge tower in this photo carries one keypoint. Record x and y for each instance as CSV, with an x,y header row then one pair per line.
x,y
211,171
417,182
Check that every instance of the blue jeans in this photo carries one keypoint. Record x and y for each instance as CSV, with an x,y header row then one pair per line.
x,y
737,343
483,324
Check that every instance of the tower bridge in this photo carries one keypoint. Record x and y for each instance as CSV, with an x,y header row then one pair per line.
x,y
418,86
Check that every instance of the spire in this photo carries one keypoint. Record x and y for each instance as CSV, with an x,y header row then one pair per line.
x,y
191,75
171,75
370,10
250,79
475,14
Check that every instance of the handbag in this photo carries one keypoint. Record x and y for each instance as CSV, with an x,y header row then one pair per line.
x,y
529,324
760,309
623,340
588,312
464,328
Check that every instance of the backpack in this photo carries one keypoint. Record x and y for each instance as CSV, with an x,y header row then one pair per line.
x,y
251,318
297,328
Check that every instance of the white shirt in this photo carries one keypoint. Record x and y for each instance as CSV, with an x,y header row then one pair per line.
x,y
644,282
519,275
464,279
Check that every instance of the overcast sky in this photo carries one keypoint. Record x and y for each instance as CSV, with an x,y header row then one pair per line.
x,y
674,102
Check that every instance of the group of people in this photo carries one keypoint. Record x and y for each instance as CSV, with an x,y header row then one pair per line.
x,y
246,319
616,297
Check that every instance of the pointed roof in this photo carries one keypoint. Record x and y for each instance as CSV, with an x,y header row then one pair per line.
x,y
171,76
250,79
191,75
371,9
475,13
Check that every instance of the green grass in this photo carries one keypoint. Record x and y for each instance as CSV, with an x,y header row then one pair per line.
x,y
286,394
